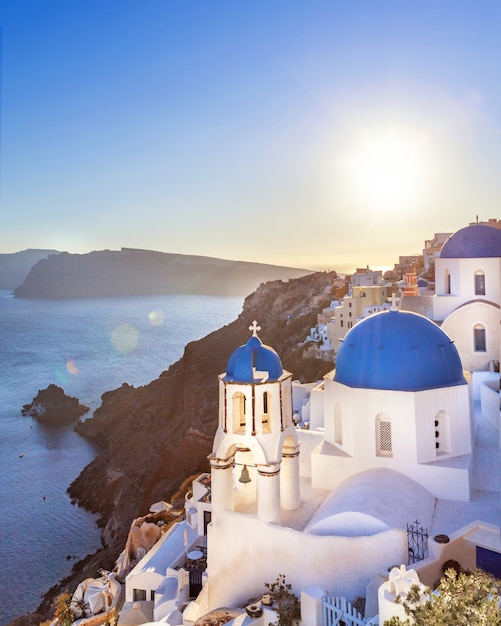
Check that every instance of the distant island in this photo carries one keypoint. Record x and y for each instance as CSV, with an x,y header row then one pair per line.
x,y
131,272
15,266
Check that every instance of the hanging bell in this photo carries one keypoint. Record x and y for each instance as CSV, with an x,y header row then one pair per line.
x,y
244,476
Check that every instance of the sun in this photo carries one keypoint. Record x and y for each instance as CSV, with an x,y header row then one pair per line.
x,y
387,170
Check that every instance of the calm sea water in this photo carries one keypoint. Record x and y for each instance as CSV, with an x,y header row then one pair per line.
x,y
87,347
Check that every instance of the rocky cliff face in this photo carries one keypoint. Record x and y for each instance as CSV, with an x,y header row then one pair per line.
x,y
144,272
153,437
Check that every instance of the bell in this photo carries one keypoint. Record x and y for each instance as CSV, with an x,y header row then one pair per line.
x,y
244,476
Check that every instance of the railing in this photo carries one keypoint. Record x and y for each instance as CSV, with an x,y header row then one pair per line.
x,y
417,542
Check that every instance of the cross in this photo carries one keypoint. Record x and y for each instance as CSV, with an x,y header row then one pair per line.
x,y
254,328
394,302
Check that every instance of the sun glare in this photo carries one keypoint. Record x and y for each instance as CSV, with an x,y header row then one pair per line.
x,y
386,171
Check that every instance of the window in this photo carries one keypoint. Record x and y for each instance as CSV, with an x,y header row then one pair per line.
x,y
479,338
139,595
479,283
266,421
383,436
238,400
447,282
342,324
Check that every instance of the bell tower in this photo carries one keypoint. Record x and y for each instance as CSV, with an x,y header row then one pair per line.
x,y
255,455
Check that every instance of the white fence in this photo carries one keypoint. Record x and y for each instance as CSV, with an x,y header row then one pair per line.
x,y
338,611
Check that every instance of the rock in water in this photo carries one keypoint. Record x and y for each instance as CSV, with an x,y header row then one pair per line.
x,y
52,405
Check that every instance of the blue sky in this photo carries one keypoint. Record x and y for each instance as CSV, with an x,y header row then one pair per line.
x,y
317,133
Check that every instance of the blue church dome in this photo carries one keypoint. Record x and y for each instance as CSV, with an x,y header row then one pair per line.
x,y
398,351
473,242
247,363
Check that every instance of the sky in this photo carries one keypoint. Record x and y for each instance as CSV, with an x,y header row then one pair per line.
x,y
320,134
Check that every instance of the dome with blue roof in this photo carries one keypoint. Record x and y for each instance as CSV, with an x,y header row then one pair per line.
x,y
477,241
398,351
253,362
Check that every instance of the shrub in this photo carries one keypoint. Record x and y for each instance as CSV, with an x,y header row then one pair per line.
x,y
287,603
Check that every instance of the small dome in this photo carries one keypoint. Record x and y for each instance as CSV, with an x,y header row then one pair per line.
x,y
252,363
399,351
354,508
477,241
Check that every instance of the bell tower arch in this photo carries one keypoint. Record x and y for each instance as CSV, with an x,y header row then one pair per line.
x,y
255,454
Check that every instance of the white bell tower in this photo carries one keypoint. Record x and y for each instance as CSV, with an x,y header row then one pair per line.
x,y
255,455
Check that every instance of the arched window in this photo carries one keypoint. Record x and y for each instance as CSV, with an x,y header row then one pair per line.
x,y
338,425
479,341
384,445
479,283
266,419
238,400
447,282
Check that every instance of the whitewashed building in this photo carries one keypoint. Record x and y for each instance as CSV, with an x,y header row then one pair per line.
x,y
468,294
398,399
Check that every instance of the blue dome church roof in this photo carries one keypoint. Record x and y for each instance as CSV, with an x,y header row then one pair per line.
x,y
398,351
477,241
247,362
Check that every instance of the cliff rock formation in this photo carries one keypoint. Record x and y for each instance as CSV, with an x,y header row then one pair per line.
x,y
153,437
52,405
143,272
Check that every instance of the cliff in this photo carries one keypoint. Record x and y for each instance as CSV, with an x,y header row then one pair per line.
x,y
142,272
153,437
14,267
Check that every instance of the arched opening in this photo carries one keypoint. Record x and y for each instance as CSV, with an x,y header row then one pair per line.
x,y
384,444
266,418
479,283
245,481
447,282
479,338
238,406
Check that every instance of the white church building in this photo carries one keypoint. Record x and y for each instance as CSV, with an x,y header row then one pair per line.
x,y
468,294
391,438
392,432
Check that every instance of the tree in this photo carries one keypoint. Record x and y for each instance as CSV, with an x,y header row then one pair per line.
x,y
461,599
287,603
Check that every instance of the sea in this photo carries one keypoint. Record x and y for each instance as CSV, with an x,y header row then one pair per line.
x,y
87,347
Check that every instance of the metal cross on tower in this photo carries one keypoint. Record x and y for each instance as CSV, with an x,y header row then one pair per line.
x,y
254,328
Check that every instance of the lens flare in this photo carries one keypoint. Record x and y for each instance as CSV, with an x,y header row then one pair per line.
x,y
124,338
157,317
72,368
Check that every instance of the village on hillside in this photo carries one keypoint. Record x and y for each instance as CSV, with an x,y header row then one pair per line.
x,y
347,492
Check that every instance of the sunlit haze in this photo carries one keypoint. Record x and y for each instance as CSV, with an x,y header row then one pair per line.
x,y
322,135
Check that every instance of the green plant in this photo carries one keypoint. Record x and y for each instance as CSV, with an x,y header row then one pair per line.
x,y
461,599
286,602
